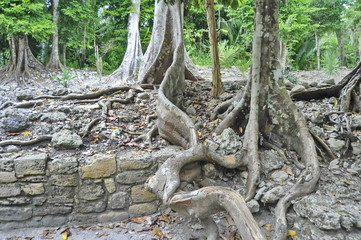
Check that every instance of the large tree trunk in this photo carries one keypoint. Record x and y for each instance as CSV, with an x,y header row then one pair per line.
x,y
54,61
217,87
161,49
22,62
127,71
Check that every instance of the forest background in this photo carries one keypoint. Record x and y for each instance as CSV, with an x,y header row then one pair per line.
x,y
93,34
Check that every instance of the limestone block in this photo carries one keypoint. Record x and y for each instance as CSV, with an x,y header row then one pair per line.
x,y
110,185
112,216
30,164
90,192
91,206
64,180
33,188
140,195
119,200
133,160
142,209
15,213
9,190
66,165
99,166
132,177
66,139
7,177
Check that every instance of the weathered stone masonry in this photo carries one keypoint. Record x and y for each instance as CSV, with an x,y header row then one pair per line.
x,y
39,190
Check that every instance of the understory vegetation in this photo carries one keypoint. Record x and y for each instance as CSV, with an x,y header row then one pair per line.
x,y
93,31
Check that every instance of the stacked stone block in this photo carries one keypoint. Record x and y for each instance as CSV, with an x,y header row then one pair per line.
x,y
41,190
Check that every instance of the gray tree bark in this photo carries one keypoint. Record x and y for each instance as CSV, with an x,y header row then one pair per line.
x,y
160,52
341,47
318,50
54,61
128,69
22,62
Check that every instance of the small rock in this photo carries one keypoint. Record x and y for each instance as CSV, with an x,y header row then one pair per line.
x,y
335,144
210,170
191,110
356,148
313,84
253,206
15,122
297,89
356,122
271,160
330,81
66,139
53,117
279,176
273,195
229,142
143,95
12,149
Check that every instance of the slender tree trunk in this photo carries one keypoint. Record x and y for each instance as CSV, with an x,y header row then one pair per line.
x,y
341,47
217,87
54,61
318,50
283,59
359,45
128,70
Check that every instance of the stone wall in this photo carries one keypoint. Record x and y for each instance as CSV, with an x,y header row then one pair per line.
x,y
37,189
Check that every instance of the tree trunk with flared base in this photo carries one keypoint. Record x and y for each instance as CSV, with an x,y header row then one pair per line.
x,y
272,114
127,71
161,49
54,61
22,62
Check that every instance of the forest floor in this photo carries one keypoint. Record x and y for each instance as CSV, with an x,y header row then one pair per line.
x,y
333,212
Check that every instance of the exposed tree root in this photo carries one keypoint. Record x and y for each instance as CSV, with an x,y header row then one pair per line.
x,y
27,104
26,142
89,127
206,201
147,138
96,94
323,144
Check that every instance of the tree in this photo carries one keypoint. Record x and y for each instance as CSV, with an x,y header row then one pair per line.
x,y
217,87
20,20
127,71
271,114
161,49
54,61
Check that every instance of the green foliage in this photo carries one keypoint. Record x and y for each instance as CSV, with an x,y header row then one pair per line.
x,y
228,54
65,78
330,62
200,56
25,17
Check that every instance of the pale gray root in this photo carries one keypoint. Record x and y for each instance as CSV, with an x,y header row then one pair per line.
x,y
147,138
92,95
350,89
27,104
323,144
206,201
128,70
106,104
252,129
166,180
26,142
233,116
54,60
89,127
226,107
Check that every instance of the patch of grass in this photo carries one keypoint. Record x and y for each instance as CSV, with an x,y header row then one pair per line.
x,y
228,54
65,78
